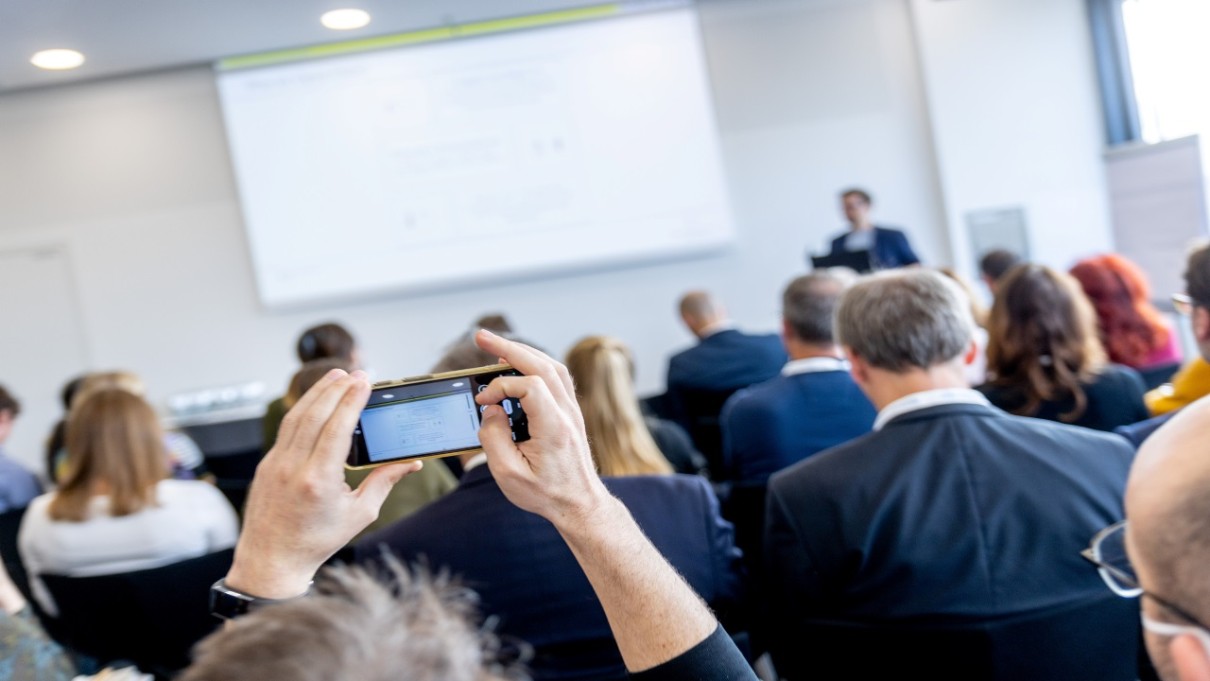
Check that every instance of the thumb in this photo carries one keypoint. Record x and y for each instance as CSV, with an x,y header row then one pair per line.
x,y
373,491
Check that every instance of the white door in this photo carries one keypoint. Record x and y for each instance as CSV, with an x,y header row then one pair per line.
x,y
41,343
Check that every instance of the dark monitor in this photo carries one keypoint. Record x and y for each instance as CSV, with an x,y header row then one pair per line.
x,y
854,260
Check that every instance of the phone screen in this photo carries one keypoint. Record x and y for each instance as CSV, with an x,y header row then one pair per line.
x,y
424,419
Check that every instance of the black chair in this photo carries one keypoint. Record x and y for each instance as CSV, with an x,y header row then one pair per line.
x,y
1092,640
151,617
10,524
1154,377
701,419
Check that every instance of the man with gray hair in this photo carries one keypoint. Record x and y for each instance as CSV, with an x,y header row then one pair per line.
x,y
950,514
812,405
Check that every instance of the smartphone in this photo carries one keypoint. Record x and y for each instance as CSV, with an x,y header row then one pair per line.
x,y
426,417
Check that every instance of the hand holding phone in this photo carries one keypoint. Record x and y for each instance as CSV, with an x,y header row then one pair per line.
x,y
430,416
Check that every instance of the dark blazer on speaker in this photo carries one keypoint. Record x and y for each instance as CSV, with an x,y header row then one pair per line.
x,y
950,512
527,577
891,248
782,421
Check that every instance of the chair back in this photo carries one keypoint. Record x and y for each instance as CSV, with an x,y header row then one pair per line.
x,y
1092,640
701,419
151,617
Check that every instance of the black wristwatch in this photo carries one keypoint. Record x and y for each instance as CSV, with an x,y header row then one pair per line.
x,y
227,603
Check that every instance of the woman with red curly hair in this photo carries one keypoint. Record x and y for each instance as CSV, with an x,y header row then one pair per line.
x,y
1132,330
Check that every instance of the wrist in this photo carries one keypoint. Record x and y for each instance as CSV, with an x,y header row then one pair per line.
x,y
265,580
587,511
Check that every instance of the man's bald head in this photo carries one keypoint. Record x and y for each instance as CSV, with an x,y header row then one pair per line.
x,y
1168,506
699,310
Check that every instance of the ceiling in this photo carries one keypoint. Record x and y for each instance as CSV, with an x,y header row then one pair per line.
x,y
128,36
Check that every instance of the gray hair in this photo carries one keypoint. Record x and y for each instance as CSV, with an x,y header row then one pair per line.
x,y
809,304
905,319
400,624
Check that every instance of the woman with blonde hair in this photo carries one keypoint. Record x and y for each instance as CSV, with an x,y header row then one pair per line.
x,y
622,442
116,509
1045,357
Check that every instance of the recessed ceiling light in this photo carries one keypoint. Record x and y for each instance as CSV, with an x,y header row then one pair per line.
x,y
345,19
57,59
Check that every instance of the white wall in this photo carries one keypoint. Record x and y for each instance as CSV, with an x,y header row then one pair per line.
x,y
1012,96
131,176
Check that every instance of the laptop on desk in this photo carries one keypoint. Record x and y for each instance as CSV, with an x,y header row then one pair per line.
x,y
861,261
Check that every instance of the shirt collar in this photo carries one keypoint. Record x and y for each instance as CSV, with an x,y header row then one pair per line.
x,y
474,462
926,399
717,327
811,365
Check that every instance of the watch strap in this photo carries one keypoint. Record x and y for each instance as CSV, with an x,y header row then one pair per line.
x,y
227,603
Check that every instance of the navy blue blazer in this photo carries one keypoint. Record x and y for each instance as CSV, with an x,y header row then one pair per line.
x,y
951,512
727,360
1137,433
525,574
782,421
891,248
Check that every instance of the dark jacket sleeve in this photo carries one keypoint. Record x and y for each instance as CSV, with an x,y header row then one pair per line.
x,y
714,659
903,249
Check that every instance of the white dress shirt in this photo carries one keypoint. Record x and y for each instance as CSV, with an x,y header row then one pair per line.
x,y
926,399
812,365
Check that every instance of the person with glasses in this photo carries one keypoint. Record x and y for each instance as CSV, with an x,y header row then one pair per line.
x,y
1160,553
1193,380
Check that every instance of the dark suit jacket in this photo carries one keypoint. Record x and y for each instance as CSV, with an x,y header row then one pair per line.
x,y
525,574
727,360
948,513
782,421
1137,433
891,248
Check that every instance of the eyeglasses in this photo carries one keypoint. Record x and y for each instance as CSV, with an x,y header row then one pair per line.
x,y
1184,304
1107,552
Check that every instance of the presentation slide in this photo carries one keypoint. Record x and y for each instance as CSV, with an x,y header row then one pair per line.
x,y
475,159
438,423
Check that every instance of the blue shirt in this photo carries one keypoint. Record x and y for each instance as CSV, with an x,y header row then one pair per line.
x,y
18,486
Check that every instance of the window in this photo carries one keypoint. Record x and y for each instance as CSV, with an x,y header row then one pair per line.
x,y
1169,60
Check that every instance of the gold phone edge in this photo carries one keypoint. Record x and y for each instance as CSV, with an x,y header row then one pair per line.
x,y
427,379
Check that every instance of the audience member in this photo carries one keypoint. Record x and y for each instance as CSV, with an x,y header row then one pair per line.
x,y
1045,359
976,371
1193,381
813,405
300,512
115,509
501,549
18,486
622,441
995,264
413,492
358,624
323,341
185,459
56,444
1161,550
1133,332
950,510
888,247
724,360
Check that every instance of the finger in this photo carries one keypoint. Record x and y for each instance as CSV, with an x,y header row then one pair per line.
x,y
530,362
533,392
496,436
294,419
332,446
373,491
